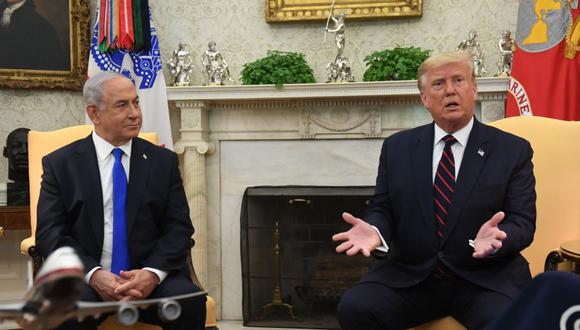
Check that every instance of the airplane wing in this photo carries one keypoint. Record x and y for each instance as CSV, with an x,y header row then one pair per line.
x,y
54,298
127,312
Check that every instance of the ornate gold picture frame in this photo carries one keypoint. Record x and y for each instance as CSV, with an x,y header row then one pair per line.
x,y
66,24
312,10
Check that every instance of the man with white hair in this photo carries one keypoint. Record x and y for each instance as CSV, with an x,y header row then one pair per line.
x,y
119,202
454,205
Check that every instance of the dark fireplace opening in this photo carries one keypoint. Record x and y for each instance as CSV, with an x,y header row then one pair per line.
x,y
291,274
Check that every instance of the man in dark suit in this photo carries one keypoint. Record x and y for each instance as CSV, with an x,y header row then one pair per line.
x,y
79,206
454,205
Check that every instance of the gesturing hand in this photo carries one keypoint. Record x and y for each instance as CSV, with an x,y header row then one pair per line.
x,y
362,237
489,238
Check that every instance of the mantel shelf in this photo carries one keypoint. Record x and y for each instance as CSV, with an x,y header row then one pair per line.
x,y
315,91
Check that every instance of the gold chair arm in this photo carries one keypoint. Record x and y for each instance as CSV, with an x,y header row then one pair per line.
x,y
26,244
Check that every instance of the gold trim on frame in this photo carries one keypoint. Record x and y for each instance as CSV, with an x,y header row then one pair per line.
x,y
317,10
73,78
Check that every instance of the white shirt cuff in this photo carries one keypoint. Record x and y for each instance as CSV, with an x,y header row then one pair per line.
x,y
89,274
383,248
161,274
471,243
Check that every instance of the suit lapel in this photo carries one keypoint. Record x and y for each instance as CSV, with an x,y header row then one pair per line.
x,y
138,175
87,165
475,155
422,160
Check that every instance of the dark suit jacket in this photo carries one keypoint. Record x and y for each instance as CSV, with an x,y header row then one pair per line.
x,y
496,174
70,207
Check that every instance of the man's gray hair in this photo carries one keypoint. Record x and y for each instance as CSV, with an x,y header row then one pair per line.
x,y
443,59
93,88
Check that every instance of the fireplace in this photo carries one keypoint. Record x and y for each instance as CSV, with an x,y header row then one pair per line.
x,y
292,276
234,137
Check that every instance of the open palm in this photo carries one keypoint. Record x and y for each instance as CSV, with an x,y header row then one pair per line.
x,y
362,237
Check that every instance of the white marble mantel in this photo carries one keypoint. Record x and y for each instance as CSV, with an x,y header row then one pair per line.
x,y
232,137
391,89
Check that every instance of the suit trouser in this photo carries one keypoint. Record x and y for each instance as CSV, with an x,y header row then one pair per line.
x,y
371,305
192,310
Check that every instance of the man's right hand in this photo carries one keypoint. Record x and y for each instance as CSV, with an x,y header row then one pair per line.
x,y
105,283
362,237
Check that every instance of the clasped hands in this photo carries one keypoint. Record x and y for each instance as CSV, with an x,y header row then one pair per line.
x,y
363,238
129,285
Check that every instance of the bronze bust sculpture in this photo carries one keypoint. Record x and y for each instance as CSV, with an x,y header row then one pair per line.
x,y
16,150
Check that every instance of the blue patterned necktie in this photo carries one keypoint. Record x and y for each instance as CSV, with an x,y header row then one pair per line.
x,y
444,185
120,256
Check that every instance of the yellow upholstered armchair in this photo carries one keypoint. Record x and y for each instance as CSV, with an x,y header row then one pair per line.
x,y
43,143
556,159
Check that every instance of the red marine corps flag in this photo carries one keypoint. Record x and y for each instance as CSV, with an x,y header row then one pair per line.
x,y
545,77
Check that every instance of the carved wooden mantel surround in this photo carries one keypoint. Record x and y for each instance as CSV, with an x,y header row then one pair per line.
x,y
213,114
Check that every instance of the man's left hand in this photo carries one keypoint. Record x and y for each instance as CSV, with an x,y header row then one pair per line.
x,y
489,238
141,280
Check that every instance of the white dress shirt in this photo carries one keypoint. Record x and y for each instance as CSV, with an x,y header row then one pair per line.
x,y
458,148
106,160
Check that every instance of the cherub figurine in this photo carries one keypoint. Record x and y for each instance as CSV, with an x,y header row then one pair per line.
x,y
471,45
180,65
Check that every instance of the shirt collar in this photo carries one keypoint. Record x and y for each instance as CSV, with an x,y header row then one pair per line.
x,y
15,6
104,148
461,135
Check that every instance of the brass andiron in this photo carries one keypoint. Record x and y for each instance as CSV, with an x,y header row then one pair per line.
x,y
277,297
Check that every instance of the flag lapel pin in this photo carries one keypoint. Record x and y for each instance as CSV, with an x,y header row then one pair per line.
x,y
144,156
480,152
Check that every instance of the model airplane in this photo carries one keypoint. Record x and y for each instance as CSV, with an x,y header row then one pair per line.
x,y
54,298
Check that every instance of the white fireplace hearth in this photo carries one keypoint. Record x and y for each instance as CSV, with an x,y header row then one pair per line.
x,y
234,137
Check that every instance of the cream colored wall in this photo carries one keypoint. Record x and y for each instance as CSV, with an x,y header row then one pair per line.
x,y
242,35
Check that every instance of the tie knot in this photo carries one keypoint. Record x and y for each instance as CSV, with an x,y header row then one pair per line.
x,y
118,153
449,140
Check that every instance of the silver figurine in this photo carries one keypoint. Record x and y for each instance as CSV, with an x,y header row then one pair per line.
x,y
338,70
180,65
471,45
507,45
216,69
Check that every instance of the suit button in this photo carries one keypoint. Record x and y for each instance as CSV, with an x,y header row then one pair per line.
x,y
440,255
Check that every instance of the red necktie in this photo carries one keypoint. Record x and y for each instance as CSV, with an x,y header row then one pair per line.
x,y
444,185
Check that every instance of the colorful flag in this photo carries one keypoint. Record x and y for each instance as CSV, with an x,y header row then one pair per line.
x,y
143,67
545,76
